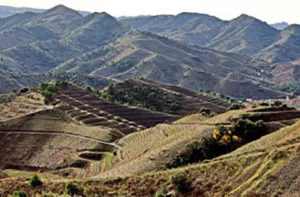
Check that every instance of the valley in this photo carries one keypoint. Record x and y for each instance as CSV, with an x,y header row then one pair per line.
x,y
162,105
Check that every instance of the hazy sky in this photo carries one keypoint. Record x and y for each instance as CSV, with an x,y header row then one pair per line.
x,y
267,10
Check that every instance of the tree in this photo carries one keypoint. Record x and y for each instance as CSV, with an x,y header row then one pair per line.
x,y
71,188
24,90
35,181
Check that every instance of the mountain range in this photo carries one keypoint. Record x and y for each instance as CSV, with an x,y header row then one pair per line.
x,y
244,34
201,51
6,11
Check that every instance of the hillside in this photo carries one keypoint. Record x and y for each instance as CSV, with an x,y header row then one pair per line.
x,y
244,34
277,52
153,57
64,36
13,82
165,98
109,160
191,28
97,45
73,135
183,105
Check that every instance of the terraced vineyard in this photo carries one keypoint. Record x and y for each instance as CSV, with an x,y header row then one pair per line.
x,y
89,109
153,148
189,102
80,136
22,105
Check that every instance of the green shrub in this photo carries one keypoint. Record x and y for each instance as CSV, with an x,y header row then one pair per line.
x,y
222,141
236,106
264,104
89,89
205,111
140,105
277,104
197,151
222,96
175,105
24,90
19,194
35,181
44,86
179,181
71,188
249,130
48,96
162,192
151,96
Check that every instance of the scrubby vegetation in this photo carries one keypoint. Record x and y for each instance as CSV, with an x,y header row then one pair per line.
x,y
205,111
277,104
24,90
222,140
49,90
180,182
218,95
291,86
264,104
236,106
19,194
141,96
35,181
71,188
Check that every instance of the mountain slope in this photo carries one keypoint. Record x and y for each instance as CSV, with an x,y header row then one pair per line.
x,y
191,28
244,34
67,35
154,57
285,49
11,81
266,166
99,45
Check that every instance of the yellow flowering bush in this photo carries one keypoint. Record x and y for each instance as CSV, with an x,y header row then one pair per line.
x,y
236,138
216,134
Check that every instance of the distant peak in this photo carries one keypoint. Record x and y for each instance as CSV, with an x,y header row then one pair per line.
x,y
99,15
193,14
245,17
189,14
293,29
280,26
62,9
